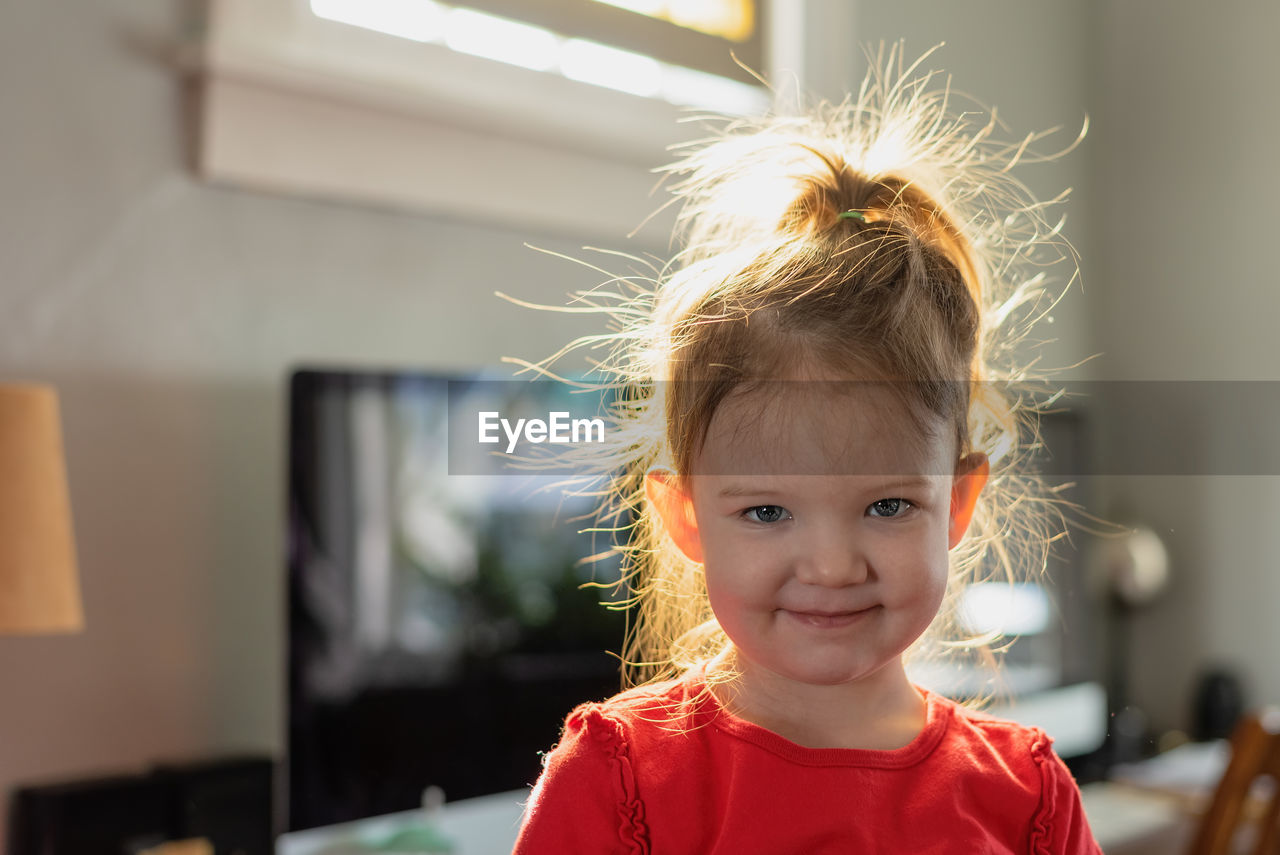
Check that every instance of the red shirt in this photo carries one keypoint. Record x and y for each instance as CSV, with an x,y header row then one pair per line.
x,y
664,769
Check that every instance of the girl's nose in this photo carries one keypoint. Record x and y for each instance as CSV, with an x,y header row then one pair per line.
x,y
832,559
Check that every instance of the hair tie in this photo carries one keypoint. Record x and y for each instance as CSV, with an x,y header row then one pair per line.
x,y
851,215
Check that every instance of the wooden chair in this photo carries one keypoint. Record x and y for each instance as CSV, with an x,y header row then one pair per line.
x,y
1255,752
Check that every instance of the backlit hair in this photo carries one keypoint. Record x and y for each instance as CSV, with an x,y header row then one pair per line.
x,y
924,282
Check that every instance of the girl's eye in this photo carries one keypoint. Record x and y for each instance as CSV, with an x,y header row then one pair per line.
x,y
888,507
766,513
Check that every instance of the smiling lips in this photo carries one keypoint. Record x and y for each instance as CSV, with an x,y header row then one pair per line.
x,y
829,620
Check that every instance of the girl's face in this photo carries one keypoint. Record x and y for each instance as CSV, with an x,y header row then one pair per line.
x,y
824,520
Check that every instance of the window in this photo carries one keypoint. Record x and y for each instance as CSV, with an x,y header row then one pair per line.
x,y
294,101
688,53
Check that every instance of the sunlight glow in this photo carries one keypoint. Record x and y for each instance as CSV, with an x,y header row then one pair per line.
x,y
502,39
592,62
1019,609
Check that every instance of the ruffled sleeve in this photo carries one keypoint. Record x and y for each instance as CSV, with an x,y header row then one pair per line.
x,y
1060,826
586,798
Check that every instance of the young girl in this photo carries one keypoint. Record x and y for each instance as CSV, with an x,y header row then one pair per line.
x,y
815,458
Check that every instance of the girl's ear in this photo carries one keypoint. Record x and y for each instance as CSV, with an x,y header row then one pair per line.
x,y
971,476
675,507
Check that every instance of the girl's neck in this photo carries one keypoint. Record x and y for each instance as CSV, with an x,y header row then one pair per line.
x,y
882,711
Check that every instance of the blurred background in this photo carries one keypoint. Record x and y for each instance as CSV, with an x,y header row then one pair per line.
x,y
197,200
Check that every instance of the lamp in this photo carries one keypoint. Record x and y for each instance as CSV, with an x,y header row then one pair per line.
x,y
1137,570
39,589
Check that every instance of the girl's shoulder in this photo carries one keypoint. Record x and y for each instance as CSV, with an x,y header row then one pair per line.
x,y
639,697
1008,763
979,729
651,707
609,753
983,747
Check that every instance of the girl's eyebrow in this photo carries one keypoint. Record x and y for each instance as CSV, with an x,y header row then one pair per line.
x,y
746,490
915,482
911,482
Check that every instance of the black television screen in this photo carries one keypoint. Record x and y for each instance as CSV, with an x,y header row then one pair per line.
x,y
438,627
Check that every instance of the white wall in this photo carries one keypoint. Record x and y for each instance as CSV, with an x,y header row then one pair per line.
x,y
1187,289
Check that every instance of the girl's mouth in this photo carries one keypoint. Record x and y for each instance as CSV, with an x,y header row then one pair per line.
x,y
830,620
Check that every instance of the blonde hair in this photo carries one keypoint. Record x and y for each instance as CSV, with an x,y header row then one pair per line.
x,y
882,237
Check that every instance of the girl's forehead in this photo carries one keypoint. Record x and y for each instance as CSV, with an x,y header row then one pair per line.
x,y
826,428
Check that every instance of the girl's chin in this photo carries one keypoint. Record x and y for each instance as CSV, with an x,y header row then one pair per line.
x,y
821,674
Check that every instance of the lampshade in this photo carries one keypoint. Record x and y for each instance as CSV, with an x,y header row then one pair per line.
x,y
39,589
